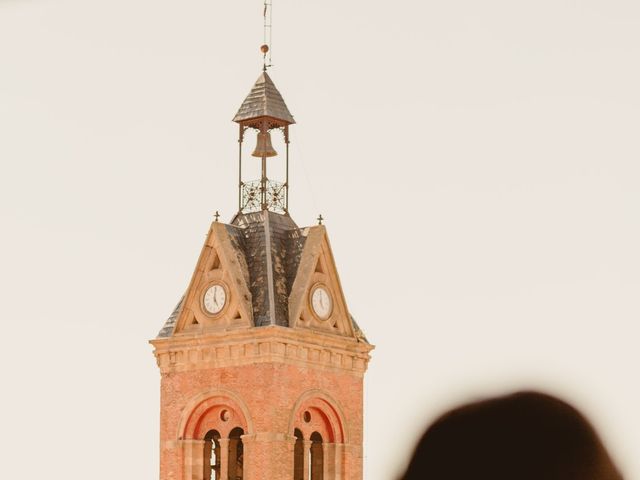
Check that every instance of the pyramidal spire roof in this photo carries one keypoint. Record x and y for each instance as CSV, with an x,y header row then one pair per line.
x,y
264,100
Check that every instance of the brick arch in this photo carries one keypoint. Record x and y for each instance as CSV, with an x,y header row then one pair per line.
x,y
327,417
204,412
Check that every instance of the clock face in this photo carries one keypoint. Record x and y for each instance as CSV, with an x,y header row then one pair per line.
x,y
321,302
215,299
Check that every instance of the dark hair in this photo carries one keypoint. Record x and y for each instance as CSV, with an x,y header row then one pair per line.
x,y
517,437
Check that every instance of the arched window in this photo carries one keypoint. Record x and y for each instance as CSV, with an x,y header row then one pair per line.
x,y
298,456
319,421
212,455
236,454
316,460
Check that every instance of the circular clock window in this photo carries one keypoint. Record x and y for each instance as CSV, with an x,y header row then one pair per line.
x,y
321,302
215,298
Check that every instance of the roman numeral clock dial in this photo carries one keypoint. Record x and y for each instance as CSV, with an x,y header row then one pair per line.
x,y
321,302
215,298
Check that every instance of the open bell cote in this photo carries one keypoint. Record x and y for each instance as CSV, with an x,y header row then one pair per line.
x,y
263,111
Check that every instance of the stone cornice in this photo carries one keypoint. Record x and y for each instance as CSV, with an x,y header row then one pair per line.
x,y
273,344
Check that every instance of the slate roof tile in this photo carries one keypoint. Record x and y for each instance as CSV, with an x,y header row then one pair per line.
x,y
264,100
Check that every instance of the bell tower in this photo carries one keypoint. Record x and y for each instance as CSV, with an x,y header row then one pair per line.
x,y
261,362
264,110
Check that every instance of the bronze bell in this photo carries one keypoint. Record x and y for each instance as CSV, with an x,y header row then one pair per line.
x,y
264,147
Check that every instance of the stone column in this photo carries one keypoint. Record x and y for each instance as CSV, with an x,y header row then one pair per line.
x,y
306,454
247,452
193,451
329,467
224,458
338,461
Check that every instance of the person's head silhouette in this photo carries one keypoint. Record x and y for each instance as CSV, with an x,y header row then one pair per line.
x,y
518,437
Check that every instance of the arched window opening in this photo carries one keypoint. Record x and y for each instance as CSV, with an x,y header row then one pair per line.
x,y
316,460
236,454
298,456
212,455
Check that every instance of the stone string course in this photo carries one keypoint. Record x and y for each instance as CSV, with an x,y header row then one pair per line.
x,y
237,348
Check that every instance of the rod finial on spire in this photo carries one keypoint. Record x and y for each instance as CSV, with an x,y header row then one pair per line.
x,y
266,46
264,49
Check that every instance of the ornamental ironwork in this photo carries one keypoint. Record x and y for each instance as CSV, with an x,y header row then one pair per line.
x,y
272,196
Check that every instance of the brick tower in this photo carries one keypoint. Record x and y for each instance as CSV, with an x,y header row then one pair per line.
x,y
261,363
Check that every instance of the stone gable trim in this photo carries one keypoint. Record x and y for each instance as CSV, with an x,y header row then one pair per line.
x,y
317,267
230,273
272,344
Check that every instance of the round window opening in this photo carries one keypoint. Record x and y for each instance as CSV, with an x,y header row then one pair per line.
x,y
225,415
306,417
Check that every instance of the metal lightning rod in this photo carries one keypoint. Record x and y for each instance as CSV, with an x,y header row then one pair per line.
x,y
267,39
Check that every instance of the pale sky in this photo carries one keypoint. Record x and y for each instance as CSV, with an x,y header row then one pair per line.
x,y
477,164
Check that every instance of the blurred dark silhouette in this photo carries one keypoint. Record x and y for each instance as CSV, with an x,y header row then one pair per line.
x,y
517,437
